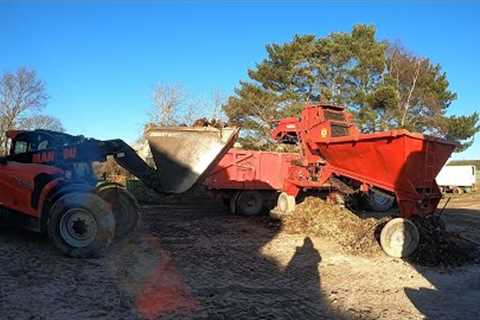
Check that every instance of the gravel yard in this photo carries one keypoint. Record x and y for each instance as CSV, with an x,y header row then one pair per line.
x,y
203,263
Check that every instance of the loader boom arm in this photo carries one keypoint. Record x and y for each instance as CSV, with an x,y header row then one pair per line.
x,y
64,151
128,159
182,155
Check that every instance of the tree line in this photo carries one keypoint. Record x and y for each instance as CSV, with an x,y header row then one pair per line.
x,y
383,84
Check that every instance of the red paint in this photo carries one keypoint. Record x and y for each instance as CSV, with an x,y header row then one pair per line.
x,y
395,161
69,153
44,157
17,183
247,169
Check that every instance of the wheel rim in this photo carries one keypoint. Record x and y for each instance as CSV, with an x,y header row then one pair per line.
x,y
399,238
282,203
251,202
78,227
380,200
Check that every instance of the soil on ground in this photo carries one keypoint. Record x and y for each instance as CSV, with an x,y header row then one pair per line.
x,y
191,262
358,233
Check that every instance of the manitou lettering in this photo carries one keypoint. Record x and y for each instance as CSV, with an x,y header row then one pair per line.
x,y
43,157
69,153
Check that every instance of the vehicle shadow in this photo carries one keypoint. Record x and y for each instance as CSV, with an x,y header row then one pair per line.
x,y
209,264
446,260
201,262
455,288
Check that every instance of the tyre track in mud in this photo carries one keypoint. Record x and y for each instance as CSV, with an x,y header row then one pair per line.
x,y
38,282
202,263
180,264
219,256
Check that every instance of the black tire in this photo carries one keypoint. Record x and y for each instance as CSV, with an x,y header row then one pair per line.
x,y
250,203
124,208
232,206
81,225
225,198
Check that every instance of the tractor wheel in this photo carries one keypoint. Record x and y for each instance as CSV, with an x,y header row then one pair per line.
x,y
81,225
285,203
399,238
233,202
250,203
380,202
226,201
124,208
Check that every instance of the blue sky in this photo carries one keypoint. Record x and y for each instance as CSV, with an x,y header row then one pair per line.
x,y
101,60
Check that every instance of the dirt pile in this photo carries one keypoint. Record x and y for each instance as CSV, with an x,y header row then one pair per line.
x,y
439,247
205,122
316,217
359,236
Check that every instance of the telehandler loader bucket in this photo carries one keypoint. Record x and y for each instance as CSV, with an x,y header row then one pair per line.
x,y
182,155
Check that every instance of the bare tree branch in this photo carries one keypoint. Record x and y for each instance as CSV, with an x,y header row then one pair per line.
x,y
167,100
406,105
41,122
21,94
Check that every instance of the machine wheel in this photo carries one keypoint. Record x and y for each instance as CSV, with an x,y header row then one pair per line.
x,y
457,190
379,202
250,203
226,201
124,208
81,225
233,202
285,203
399,238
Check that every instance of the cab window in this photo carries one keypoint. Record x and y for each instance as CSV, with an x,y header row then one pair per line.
x,y
31,142
20,147
42,145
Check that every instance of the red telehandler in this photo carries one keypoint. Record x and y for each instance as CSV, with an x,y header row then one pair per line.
x,y
47,183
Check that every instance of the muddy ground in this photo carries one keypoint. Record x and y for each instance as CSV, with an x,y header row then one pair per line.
x,y
186,262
